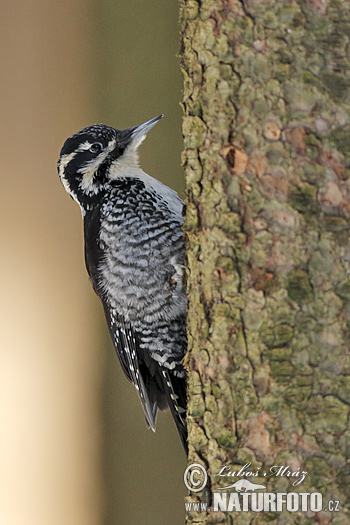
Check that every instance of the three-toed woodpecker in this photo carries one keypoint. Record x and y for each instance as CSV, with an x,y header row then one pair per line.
x,y
134,254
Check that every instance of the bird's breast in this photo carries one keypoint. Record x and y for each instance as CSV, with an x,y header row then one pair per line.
x,y
142,244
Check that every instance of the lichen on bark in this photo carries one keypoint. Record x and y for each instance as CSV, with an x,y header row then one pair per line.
x,y
267,130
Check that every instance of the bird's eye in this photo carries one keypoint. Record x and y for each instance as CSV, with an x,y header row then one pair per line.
x,y
96,147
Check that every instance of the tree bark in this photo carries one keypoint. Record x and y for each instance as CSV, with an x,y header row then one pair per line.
x,y
267,129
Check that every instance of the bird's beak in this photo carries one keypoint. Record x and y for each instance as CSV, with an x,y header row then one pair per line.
x,y
144,128
132,137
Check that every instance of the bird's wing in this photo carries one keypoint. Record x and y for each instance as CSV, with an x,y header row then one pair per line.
x,y
126,346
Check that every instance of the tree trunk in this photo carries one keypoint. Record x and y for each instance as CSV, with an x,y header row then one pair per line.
x,y
266,130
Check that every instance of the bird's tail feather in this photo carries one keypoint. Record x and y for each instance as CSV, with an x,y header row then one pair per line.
x,y
174,388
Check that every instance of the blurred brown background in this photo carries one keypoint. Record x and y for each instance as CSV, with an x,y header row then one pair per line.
x,y
73,442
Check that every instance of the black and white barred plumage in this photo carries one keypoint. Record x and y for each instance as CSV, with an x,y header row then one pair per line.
x,y
134,254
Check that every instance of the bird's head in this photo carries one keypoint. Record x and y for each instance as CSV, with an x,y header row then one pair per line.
x,y
95,156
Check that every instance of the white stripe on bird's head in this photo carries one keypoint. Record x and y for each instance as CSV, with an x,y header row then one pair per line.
x,y
89,169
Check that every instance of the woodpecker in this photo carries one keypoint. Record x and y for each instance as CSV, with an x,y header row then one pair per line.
x,y
134,255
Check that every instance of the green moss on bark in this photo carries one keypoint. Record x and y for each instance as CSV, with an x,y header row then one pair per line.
x,y
266,128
